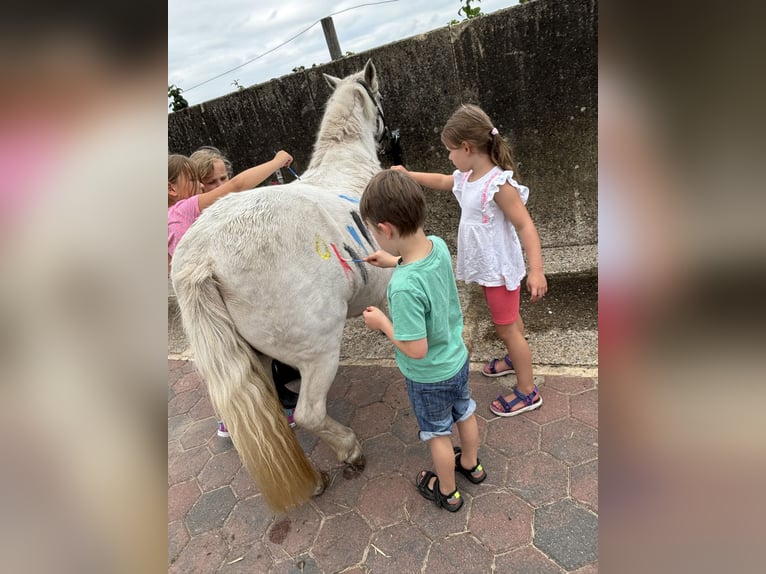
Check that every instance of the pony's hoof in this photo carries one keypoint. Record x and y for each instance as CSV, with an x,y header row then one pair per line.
x,y
324,481
358,464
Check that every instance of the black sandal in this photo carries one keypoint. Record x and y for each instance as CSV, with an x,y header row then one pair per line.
x,y
468,473
422,484
435,494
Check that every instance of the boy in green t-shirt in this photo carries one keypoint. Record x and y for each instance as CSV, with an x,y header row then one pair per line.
x,y
426,328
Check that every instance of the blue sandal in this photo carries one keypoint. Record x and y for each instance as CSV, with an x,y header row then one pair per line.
x,y
531,402
493,372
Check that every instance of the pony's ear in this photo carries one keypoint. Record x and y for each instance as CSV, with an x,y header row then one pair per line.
x,y
370,75
332,81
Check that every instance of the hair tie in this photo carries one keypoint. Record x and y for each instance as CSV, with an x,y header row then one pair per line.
x,y
493,131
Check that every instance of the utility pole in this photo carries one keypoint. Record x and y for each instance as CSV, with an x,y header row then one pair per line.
x,y
331,38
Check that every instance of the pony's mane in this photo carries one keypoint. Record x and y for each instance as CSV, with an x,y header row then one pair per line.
x,y
349,113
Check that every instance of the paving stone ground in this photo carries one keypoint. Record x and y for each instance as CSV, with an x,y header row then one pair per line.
x,y
537,512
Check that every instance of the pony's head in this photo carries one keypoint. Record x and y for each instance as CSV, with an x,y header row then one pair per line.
x,y
388,141
360,87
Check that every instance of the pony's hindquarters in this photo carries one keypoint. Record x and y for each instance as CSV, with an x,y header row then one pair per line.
x,y
240,390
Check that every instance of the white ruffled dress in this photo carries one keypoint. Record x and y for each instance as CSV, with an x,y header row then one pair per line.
x,y
488,248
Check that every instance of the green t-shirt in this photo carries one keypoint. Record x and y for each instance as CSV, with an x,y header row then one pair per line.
x,y
423,302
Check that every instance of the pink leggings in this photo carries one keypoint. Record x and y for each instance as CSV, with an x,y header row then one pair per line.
x,y
503,304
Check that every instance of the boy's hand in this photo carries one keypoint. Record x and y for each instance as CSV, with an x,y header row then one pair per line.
x,y
399,168
537,285
381,259
374,318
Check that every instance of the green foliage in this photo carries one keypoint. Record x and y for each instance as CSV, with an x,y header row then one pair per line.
x,y
468,11
237,85
179,102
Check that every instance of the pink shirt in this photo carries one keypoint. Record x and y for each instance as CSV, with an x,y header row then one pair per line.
x,y
180,217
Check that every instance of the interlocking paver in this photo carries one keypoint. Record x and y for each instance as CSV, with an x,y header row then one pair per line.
x,y
398,548
380,501
585,407
220,470
202,409
246,525
187,382
570,440
203,553
584,484
513,436
256,559
372,420
181,497
501,521
183,402
526,560
538,478
178,538
567,533
383,454
197,433
556,406
295,532
536,512
186,464
343,543
570,385
177,425
210,510
461,553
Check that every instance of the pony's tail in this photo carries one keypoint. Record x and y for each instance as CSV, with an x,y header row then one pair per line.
x,y
242,394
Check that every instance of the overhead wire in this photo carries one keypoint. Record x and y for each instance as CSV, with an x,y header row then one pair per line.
x,y
234,69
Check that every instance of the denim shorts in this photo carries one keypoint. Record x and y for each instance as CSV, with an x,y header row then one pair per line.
x,y
438,406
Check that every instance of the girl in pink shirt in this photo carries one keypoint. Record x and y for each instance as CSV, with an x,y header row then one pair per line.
x,y
187,198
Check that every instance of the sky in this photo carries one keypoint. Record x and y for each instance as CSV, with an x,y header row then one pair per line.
x,y
251,42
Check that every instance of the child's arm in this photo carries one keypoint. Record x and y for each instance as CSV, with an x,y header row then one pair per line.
x,y
382,258
508,199
431,180
247,179
376,320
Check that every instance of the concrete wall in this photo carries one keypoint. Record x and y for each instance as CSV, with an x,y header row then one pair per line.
x,y
532,68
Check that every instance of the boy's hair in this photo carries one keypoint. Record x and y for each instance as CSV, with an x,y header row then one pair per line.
x,y
394,197
204,157
470,124
180,164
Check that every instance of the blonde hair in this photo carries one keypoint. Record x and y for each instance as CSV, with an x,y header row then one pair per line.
x,y
471,124
205,157
181,165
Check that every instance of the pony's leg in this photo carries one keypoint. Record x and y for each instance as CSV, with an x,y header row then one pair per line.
x,y
311,412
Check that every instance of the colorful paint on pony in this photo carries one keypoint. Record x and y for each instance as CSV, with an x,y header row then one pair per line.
x,y
358,261
324,253
343,263
362,228
355,235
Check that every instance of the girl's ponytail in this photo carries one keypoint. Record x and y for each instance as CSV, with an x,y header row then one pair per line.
x,y
501,152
